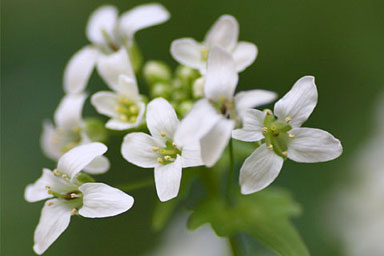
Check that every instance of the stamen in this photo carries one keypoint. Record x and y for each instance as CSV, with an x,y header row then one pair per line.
x,y
50,203
132,119
265,129
284,153
73,195
155,149
64,176
288,119
174,145
160,160
270,147
48,187
168,158
291,136
56,172
268,112
74,211
133,109
124,118
163,134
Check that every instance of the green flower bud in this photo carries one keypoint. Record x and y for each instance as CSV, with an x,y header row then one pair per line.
x,y
161,90
156,71
185,107
95,130
186,75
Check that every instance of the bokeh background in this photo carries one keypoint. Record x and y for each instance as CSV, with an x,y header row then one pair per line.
x,y
339,42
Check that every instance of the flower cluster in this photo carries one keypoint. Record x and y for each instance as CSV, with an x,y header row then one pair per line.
x,y
191,115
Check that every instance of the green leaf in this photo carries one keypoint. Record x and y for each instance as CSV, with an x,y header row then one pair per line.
x,y
264,216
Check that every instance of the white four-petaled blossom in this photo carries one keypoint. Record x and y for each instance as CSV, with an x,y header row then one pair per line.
x,y
162,150
108,33
69,132
70,195
283,137
224,34
213,118
124,105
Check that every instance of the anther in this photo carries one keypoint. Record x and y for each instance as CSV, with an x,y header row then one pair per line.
x,y
74,211
162,134
288,119
160,160
155,149
265,129
270,147
133,109
48,187
132,119
124,118
291,136
268,112
50,203
284,153
64,176
56,172
174,144
73,195
168,158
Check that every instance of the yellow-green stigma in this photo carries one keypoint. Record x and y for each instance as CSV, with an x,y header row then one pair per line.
x,y
127,109
276,134
168,154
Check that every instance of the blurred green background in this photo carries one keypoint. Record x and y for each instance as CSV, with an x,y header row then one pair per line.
x,y
339,42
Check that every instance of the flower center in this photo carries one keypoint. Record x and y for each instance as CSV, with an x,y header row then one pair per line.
x,y
226,108
168,154
276,134
127,109
112,45
68,139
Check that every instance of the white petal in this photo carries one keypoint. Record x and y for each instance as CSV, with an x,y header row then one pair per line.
x,y
313,145
254,98
196,123
48,141
102,19
244,55
191,155
223,33
221,78
110,67
79,157
161,118
137,149
105,103
99,165
259,170
54,219
188,52
68,113
167,179
79,69
253,123
215,141
38,191
128,87
299,102
142,16
100,200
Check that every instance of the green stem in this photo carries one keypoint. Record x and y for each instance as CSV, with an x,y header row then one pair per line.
x,y
136,185
234,245
231,174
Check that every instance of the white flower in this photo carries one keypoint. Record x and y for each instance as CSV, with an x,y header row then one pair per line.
x,y
124,106
108,33
283,137
224,34
161,151
72,196
213,118
69,132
